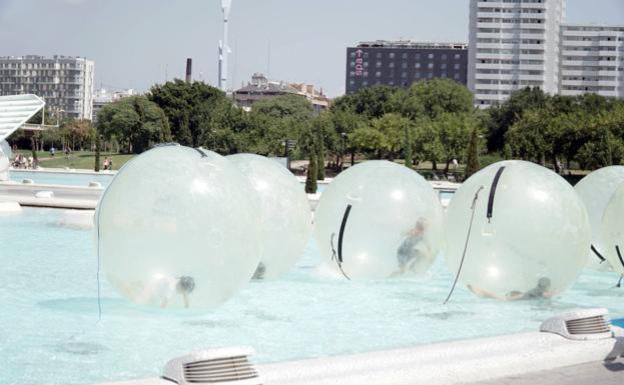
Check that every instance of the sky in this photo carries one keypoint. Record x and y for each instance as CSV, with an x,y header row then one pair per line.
x,y
137,43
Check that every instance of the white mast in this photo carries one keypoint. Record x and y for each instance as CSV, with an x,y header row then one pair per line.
x,y
224,49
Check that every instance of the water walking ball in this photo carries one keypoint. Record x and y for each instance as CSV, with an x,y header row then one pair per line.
x,y
285,216
596,189
177,229
611,233
528,232
377,220
5,149
5,157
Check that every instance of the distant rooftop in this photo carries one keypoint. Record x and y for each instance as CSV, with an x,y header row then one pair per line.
x,y
38,57
410,44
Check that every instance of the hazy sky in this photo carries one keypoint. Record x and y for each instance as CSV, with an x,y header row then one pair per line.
x,y
135,43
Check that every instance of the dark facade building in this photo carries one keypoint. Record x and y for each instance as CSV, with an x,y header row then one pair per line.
x,y
401,63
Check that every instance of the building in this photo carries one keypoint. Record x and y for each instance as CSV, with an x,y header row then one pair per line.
x,y
103,97
65,83
513,44
401,63
592,60
261,88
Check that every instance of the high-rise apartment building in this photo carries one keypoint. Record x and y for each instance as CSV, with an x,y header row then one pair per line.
x,y
66,83
513,44
401,63
592,60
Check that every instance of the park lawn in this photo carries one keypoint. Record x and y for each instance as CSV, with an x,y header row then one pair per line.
x,y
77,160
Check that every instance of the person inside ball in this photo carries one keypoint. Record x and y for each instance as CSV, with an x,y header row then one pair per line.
x,y
541,291
413,249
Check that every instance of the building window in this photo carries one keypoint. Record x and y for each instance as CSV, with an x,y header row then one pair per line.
x,y
430,65
365,74
391,65
352,54
417,56
403,75
417,65
391,83
391,55
456,66
404,65
351,82
352,64
365,64
378,64
364,83
443,66
352,73
417,75
404,55
431,56
430,75
457,76
444,56
378,55
457,56
378,74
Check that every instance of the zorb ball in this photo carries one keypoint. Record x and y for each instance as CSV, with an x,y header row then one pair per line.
x,y
596,189
285,215
611,232
5,160
378,220
177,229
521,230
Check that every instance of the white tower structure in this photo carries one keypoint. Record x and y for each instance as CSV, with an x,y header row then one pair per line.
x,y
224,49
592,60
513,45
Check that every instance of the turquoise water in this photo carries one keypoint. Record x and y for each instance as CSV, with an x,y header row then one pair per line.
x,y
66,179
49,329
69,179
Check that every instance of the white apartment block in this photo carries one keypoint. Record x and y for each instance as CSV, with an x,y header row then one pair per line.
x,y
592,60
513,44
65,83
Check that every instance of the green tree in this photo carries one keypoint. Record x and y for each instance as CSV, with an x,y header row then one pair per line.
x,y
435,97
98,150
472,161
503,116
191,108
135,122
407,146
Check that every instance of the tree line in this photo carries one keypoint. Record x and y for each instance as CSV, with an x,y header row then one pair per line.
x,y
433,121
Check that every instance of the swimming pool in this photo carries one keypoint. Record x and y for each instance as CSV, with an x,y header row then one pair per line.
x,y
77,179
60,178
49,329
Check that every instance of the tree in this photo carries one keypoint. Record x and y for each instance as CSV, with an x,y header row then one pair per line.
x,y
370,102
276,120
472,161
191,108
437,96
133,121
407,146
503,116
78,134
98,150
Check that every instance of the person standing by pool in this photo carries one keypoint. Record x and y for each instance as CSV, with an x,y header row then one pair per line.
x,y
105,165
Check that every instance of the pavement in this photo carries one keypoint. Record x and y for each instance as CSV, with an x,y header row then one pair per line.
x,y
594,373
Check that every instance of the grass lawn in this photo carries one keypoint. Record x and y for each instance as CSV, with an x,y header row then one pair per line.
x,y
78,160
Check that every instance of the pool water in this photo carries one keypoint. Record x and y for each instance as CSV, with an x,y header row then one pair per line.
x,y
77,179
61,178
49,329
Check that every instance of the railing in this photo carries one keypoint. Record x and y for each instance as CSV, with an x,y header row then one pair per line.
x,y
36,127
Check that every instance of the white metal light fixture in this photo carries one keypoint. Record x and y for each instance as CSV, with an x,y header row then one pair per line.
x,y
226,366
